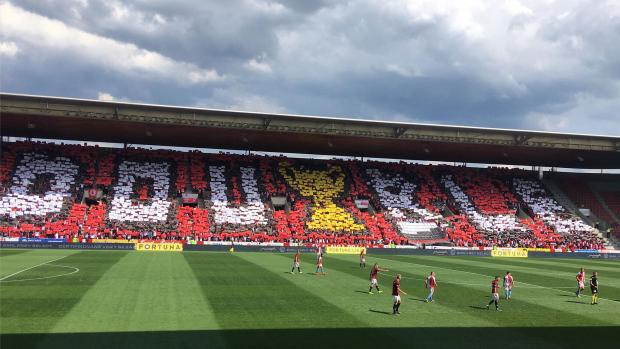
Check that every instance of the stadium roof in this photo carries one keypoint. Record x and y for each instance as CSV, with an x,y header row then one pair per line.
x,y
135,123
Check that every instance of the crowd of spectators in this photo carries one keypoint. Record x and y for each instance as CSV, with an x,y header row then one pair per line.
x,y
43,185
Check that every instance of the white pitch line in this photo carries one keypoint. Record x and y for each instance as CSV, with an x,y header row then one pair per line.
x,y
75,270
469,272
472,284
38,265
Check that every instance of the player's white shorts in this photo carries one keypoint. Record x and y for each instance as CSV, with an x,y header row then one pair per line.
x,y
295,264
320,265
432,289
581,284
363,260
495,296
396,299
373,282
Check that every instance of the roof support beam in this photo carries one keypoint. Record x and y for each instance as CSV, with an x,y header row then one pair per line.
x,y
52,117
521,139
398,131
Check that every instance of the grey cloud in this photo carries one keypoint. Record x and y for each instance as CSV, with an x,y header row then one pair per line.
x,y
431,61
219,34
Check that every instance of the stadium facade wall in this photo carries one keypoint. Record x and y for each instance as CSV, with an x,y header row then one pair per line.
x,y
304,249
577,255
66,246
249,248
429,252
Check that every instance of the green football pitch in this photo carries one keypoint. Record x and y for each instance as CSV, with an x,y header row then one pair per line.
x,y
113,299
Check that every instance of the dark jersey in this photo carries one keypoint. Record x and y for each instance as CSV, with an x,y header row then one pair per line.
x,y
296,257
396,287
494,286
594,283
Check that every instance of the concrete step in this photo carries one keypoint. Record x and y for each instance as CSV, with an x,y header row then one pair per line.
x,y
601,201
565,201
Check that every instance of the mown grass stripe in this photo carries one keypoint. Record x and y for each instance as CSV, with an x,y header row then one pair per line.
x,y
565,273
612,272
11,252
470,298
256,303
540,297
349,287
601,262
348,290
485,266
245,295
36,306
553,275
457,305
15,262
154,291
311,338
600,265
7,277
349,284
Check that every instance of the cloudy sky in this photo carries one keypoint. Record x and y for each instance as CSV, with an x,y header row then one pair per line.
x,y
532,64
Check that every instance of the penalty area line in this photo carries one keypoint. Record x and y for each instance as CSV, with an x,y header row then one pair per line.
x,y
473,284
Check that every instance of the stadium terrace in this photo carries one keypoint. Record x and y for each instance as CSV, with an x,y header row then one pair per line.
x,y
85,193
130,247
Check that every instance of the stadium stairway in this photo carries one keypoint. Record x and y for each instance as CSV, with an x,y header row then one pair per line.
x,y
565,201
610,244
615,219
614,242
418,230
522,214
582,193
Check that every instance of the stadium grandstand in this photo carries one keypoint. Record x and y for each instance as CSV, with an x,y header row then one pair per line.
x,y
85,192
